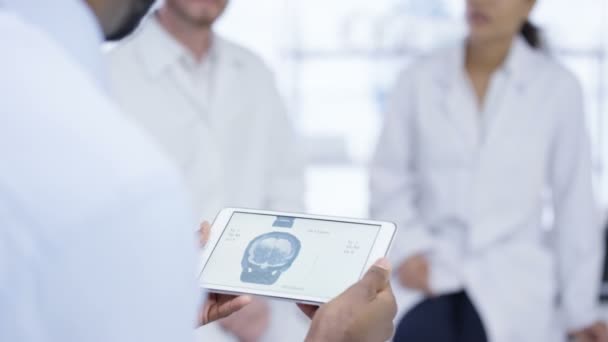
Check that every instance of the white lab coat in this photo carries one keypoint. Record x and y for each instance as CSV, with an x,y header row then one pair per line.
x,y
223,124
468,189
234,143
82,44
95,233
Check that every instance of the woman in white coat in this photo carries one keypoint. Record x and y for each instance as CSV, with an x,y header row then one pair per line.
x,y
475,142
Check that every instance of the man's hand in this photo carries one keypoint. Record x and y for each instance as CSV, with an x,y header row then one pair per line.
x,y
598,332
414,273
249,324
218,306
364,312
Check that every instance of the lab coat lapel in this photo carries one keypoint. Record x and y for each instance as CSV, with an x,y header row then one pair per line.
x,y
199,101
505,101
509,115
160,54
227,67
457,105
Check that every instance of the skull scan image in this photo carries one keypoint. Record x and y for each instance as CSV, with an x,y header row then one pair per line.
x,y
268,256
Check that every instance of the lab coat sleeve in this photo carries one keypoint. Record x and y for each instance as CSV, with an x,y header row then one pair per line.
x,y
128,274
286,167
578,233
393,179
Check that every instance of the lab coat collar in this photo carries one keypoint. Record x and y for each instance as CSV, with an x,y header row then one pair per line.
x,y
518,69
160,51
519,65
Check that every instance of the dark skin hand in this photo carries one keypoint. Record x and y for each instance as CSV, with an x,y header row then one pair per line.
x,y
218,306
598,332
364,312
249,324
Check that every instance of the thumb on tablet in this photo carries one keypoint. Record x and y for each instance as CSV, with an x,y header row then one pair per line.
x,y
377,278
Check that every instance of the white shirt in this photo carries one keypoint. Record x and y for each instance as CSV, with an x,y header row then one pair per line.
x,y
221,121
95,239
468,189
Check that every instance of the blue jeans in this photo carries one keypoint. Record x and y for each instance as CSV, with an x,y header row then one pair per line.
x,y
449,318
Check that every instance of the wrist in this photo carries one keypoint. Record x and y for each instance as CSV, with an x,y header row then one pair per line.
x,y
322,330
315,333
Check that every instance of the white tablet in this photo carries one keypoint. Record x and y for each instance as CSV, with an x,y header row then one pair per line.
x,y
296,257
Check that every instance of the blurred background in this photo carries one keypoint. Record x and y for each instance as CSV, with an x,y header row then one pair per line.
x,y
336,60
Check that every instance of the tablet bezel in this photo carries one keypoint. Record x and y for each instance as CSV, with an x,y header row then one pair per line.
x,y
380,249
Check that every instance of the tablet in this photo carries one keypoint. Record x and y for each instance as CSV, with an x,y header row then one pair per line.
x,y
296,257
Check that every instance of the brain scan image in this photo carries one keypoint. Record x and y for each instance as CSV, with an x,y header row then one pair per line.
x,y
268,256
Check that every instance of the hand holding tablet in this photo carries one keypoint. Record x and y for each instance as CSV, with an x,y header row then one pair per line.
x,y
296,257
364,312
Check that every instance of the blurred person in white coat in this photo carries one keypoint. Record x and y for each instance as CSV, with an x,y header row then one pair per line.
x,y
213,106
96,242
85,197
474,139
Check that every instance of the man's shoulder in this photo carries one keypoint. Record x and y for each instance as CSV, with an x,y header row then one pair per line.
x,y
63,139
14,32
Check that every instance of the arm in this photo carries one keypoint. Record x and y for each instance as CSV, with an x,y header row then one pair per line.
x,y
579,238
393,176
125,273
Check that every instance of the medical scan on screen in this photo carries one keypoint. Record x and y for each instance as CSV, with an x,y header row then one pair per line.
x,y
287,255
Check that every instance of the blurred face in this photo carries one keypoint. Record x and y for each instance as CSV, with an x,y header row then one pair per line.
x,y
201,13
496,19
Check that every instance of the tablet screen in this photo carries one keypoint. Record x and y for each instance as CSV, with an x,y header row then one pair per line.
x,y
288,255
